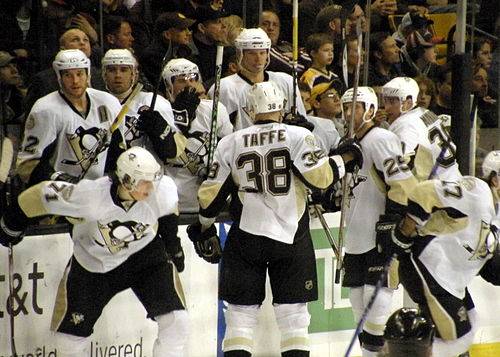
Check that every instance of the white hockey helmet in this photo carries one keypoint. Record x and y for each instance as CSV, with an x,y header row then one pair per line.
x,y
252,39
118,56
402,88
179,67
265,97
491,164
136,164
70,59
365,95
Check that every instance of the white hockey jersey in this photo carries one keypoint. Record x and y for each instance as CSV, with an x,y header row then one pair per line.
x,y
54,120
458,215
265,168
197,146
386,178
107,233
233,94
325,132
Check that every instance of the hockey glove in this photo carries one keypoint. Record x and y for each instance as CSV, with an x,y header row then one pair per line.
x,y
63,176
298,120
390,240
352,147
184,108
177,258
206,244
329,199
152,123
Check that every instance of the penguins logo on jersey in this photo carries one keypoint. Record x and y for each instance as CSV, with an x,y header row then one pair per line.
x,y
132,133
118,235
87,144
194,156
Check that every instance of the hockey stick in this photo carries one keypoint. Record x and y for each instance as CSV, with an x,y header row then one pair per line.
x,y
325,227
116,123
348,176
6,158
215,106
368,307
168,54
295,52
11,301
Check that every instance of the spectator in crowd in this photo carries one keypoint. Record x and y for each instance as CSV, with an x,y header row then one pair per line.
x,y
308,9
117,33
208,32
419,55
11,96
65,128
411,21
46,81
281,54
487,107
234,24
172,36
320,49
327,109
384,59
352,60
427,93
443,86
305,94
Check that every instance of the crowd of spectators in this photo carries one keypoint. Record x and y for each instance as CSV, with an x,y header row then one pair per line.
x,y
157,31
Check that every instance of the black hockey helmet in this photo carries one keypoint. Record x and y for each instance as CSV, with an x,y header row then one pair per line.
x,y
409,333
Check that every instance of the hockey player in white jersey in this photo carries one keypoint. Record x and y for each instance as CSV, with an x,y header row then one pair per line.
x,y
120,245
447,236
181,78
420,131
65,129
266,169
143,127
387,181
252,51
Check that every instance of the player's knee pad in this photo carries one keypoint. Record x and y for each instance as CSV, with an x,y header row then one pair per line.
x,y
380,310
70,345
240,323
293,321
173,329
357,302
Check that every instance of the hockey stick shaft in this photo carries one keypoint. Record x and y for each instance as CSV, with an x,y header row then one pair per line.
x,y
11,301
168,54
348,176
215,106
295,52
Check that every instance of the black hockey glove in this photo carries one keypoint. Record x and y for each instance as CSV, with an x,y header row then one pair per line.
x,y
390,241
176,256
298,120
63,176
330,199
207,243
152,123
352,147
184,108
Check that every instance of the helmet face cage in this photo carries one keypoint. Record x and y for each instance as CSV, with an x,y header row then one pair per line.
x,y
137,164
179,67
491,164
264,97
70,59
402,88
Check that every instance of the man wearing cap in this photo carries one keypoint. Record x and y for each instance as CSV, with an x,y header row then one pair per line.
x,y
326,106
419,55
172,35
208,32
411,21
10,95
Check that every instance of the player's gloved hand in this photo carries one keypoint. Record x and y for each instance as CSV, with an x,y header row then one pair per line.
x,y
63,176
298,120
184,108
351,147
390,240
8,235
152,123
176,256
206,243
330,199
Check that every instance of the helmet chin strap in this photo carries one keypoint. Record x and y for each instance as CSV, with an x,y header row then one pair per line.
x,y
268,61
